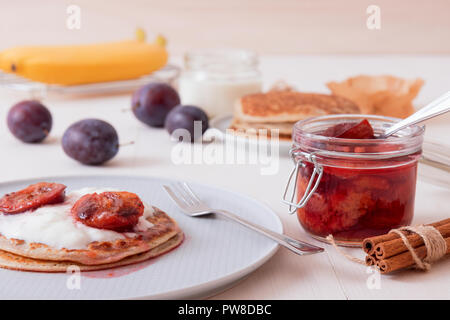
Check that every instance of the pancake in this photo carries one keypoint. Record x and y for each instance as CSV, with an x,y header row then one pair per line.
x,y
289,106
15,262
245,129
281,109
285,128
250,134
100,252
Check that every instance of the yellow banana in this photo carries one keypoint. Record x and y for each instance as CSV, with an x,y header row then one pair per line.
x,y
11,58
80,64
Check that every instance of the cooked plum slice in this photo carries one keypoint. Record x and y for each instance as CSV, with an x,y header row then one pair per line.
x,y
118,211
32,197
350,130
338,129
362,130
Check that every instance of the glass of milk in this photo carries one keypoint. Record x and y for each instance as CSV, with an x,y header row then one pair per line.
x,y
215,79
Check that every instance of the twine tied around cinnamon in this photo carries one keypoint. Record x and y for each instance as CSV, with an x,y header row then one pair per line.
x,y
330,239
434,243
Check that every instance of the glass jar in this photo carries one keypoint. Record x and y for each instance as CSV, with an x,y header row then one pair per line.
x,y
353,188
213,80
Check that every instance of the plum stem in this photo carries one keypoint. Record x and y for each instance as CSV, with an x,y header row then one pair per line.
x,y
125,144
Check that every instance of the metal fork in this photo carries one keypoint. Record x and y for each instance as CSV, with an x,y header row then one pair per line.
x,y
191,205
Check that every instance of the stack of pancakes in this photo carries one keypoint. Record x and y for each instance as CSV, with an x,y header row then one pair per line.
x,y
163,236
282,109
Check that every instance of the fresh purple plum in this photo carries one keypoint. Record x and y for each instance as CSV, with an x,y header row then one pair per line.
x,y
152,102
183,117
29,121
91,141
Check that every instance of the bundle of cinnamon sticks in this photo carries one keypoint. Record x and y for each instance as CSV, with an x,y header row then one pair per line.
x,y
389,253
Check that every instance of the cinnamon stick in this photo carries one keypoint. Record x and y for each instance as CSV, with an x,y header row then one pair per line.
x,y
384,250
370,243
371,261
405,259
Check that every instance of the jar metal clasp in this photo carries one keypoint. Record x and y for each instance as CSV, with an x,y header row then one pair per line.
x,y
311,187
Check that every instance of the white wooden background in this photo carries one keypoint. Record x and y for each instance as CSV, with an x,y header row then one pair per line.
x,y
285,276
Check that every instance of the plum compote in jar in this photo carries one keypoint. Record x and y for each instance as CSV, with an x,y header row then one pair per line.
x,y
349,183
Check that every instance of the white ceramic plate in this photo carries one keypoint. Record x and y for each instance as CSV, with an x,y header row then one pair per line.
x,y
222,123
216,253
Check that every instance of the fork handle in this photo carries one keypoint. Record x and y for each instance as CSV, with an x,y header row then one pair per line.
x,y
296,246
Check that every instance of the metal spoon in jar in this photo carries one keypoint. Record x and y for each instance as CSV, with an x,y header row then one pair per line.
x,y
437,107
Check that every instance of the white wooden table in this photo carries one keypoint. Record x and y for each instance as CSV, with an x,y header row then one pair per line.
x,y
285,276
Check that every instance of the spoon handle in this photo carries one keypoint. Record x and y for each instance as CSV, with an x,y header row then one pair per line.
x,y
437,107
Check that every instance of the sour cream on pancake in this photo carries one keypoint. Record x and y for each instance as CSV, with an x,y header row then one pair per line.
x,y
54,226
